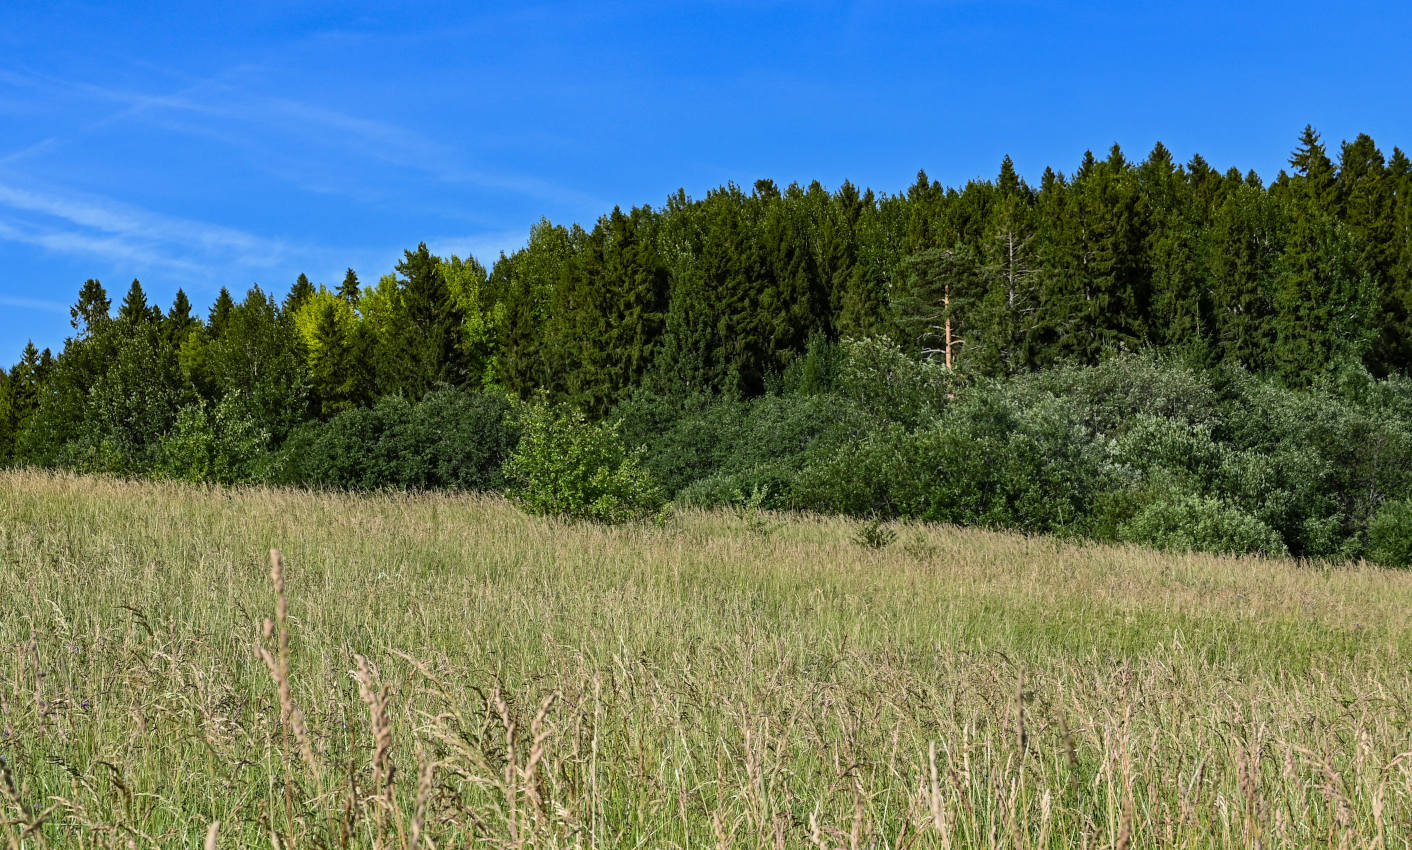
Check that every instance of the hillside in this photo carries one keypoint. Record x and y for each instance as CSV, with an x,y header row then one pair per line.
x,y
734,680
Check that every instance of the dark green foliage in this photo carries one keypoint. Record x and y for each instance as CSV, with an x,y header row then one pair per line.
x,y
20,395
178,324
92,308
350,290
298,294
566,466
421,349
1390,535
220,313
874,534
254,352
447,440
1243,246
1142,351
134,309
109,400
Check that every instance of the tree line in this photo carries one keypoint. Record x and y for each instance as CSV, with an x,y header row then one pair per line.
x,y
1297,282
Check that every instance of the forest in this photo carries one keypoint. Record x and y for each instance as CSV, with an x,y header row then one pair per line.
x,y
1150,352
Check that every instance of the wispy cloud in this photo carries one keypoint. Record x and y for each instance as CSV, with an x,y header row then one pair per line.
x,y
222,109
138,226
33,304
110,248
138,239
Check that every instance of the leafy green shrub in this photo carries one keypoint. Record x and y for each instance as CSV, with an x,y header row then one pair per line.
x,y
450,440
687,440
750,511
1112,394
223,446
708,451
874,534
1183,522
569,467
881,379
1390,534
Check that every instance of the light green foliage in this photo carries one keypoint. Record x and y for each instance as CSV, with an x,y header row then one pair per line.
x,y
569,467
467,279
320,308
219,444
1196,523
877,376
333,337
768,340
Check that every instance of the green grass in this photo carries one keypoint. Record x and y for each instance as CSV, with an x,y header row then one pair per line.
x,y
693,686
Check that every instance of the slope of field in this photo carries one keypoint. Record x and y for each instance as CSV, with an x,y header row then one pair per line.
x,y
459,672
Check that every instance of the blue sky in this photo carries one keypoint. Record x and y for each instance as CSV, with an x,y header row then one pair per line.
x,y
199,146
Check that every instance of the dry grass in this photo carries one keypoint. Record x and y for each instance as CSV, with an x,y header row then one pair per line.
x,y
443,671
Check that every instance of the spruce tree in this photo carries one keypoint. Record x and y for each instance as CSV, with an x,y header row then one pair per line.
x,y
1242,250
19,399
350,290
1314,184
1324,301
1180,308
134,307
91,310
1004,320
220,313
424,348
794,300
298,294
179,322
1369,213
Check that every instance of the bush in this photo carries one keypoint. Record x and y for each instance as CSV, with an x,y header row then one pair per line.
x,y
878,377
450,439
223,446
1183,522
569,467
1390,534
703,452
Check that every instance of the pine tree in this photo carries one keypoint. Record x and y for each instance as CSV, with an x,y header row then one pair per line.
x,y
298,294
1314,184
943,285
91,310
220,313
134,307
350,290
19,399
179,323
423,345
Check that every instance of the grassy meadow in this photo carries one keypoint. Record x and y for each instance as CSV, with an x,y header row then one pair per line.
x,y
445,671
